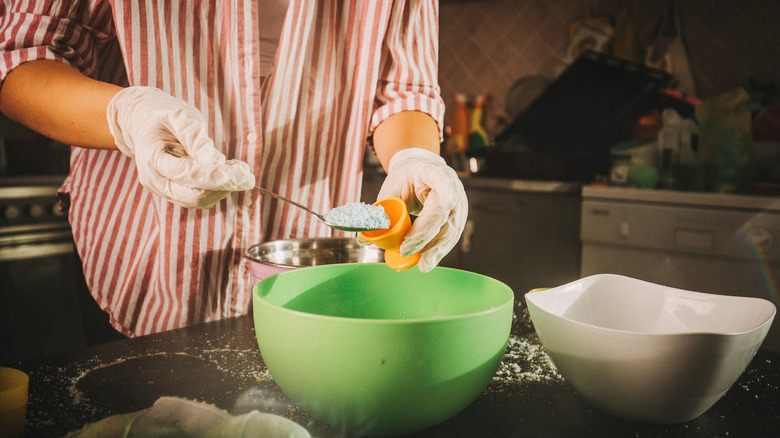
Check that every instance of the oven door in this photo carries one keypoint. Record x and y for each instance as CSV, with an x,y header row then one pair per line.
x,y
39,308
36,244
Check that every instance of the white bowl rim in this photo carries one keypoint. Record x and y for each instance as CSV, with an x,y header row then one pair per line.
x,y
529,297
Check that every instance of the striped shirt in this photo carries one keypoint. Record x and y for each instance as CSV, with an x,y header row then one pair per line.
x,y
341,68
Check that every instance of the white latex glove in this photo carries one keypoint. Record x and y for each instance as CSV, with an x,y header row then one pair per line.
x,y
433,192
143,120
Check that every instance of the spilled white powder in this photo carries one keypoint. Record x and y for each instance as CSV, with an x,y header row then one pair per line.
x,y
358,215
524,362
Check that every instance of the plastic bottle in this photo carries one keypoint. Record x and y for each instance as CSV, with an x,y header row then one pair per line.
x,y
458,141
478,137
457,144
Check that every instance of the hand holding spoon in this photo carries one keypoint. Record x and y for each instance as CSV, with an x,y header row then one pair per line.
x,y
355,216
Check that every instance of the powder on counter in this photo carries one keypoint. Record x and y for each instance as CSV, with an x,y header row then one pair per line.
x,y
526,361
359,215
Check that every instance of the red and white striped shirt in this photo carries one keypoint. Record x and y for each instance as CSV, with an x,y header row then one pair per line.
x,y
342,67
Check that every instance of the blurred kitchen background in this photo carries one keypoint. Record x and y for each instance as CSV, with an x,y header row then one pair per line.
x,y
488,45
632,137
570,124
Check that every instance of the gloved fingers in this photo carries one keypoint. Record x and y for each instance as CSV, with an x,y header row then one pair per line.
x,y
193,198
135,112
207,199
424,229
429,259
440,198
438,227
179,194
440,246
432,191
229,176
395,185
144,119
188,126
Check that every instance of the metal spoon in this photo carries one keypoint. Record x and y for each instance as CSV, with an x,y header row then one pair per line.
x,y
178,152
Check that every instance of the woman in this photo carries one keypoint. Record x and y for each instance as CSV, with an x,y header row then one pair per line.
x,y
160,237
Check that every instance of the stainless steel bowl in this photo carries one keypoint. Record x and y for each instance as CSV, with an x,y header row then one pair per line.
x,y
280,255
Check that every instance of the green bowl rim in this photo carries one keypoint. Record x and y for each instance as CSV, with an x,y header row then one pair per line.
x,y
509,302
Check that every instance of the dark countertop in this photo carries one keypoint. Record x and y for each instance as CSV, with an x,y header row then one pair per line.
x,y
220,363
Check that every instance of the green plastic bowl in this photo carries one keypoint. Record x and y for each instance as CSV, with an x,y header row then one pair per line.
x,y
375,351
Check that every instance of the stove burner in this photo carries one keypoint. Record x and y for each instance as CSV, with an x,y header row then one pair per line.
x,y
30,208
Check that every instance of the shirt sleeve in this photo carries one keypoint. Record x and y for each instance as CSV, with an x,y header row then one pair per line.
x,y
79,33
408,76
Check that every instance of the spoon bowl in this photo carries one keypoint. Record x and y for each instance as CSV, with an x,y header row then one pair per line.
x,y
320,217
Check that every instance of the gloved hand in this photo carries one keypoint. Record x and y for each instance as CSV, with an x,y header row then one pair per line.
x,y
143,120
432,191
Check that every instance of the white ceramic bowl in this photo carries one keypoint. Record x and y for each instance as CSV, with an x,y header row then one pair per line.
x,y
647,352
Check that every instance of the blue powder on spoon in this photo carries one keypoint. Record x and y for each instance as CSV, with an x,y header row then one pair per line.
x,y
358,215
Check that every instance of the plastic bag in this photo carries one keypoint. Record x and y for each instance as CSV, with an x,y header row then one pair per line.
x,y
668,51
725,147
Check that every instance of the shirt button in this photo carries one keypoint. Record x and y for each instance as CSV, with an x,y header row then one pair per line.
x,y
252,137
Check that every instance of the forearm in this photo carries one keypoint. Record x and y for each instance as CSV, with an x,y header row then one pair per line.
x,y
59,102
407,129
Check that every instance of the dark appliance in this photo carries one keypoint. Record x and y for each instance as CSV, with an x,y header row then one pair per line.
x,y
39,283
566,132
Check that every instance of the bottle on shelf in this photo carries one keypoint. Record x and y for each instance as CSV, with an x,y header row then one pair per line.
x,y
457,142
479,141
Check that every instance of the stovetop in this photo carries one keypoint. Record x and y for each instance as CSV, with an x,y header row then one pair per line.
x,y
27,208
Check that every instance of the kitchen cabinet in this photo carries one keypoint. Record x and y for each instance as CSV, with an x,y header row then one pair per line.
x,y
524,233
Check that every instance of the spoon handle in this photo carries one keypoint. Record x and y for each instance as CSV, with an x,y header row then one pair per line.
x,y
280,197
180,153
